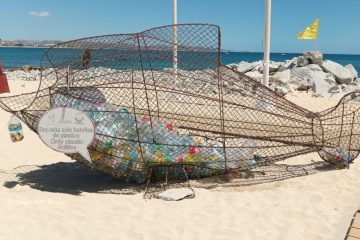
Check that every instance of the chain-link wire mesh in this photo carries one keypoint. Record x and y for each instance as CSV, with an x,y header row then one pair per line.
x,y
197,114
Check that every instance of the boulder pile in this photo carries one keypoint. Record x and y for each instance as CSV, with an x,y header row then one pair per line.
x,y
24,75
304,73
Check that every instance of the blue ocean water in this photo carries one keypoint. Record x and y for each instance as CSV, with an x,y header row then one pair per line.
x,y
17,56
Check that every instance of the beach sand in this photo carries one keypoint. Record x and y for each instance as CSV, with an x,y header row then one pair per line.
x,y
56,198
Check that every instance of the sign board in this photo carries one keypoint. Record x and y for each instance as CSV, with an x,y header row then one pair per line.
x,y
67,130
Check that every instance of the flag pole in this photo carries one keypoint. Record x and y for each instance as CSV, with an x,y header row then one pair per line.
x,y
267,42
175,57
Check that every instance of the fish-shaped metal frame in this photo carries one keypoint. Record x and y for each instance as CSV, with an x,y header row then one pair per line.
x,y
202,118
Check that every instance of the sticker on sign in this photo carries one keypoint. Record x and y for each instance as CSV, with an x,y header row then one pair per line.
x,y
67,130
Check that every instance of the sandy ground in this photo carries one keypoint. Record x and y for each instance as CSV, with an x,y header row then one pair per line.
x,y
55,198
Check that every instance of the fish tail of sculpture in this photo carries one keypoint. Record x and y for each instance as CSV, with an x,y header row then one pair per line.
x,y
338,130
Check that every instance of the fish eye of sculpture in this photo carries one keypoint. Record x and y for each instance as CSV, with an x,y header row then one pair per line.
x,y
157,106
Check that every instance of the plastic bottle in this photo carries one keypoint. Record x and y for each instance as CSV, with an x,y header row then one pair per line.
x,y
15,129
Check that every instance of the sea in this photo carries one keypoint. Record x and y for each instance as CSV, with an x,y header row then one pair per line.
x,y
12,57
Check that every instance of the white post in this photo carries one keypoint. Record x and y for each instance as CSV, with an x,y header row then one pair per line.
x,y
267,42
175,58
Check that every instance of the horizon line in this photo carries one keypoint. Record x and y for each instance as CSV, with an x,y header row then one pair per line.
x,y
222,50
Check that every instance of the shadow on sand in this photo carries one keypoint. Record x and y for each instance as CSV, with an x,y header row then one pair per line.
x,y
75,178
265,174
67,177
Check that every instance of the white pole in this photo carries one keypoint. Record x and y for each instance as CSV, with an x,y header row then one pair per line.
x,y
267,42
175,58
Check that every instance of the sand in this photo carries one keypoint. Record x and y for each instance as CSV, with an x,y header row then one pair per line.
x,y
56,198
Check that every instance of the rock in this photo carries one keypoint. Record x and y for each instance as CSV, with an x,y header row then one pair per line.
x,y
303,84
356,82
273,66
330,78
282,91
352,70
33,75
314,57
26,68
335,89
305,71
290,88
255,75
343,86
349,88
342,75
302,61
322,86
257,66
233,66
244,67
288,64
281,77
312,76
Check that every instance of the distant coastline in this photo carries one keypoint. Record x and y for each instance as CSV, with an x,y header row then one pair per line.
x,y
29,43
23,47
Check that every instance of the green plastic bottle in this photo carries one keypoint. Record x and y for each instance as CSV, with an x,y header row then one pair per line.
x,y
15,129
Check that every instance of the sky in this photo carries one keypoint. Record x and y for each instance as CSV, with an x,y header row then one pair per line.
x,y
241,21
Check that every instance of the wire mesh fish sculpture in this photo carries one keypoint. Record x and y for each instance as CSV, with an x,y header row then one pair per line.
x,y
201,117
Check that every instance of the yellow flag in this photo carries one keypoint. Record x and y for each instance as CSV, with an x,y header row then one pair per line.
x,y
311,32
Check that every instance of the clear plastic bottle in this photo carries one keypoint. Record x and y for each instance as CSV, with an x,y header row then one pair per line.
x,y
15,129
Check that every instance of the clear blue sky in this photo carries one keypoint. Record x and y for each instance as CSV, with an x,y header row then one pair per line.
x,y
241,21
